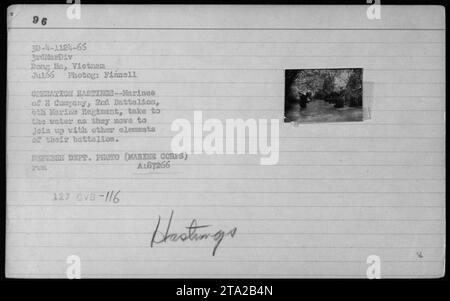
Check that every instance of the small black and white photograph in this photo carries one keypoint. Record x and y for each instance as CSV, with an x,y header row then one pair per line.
x,y
323,95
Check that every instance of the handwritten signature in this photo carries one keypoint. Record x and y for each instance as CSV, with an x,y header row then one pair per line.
x,y
192,234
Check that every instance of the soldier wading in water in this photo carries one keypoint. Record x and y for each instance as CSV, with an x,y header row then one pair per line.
x,y
304,99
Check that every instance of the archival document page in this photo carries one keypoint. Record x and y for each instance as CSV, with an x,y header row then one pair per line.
x,y
225,141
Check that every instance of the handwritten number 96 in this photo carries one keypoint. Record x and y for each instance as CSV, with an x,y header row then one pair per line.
x,y
36,20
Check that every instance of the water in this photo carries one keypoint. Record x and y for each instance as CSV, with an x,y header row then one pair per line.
x,y
319,110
